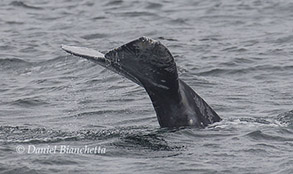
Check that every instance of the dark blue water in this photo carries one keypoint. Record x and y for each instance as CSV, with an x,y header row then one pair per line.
x,y
236,54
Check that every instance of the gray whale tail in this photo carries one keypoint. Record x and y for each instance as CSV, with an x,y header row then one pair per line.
x,y
150,64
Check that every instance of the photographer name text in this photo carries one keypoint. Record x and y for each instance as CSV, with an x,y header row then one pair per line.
x,y
59,149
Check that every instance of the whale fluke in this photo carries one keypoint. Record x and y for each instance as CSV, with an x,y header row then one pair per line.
x,y
150,64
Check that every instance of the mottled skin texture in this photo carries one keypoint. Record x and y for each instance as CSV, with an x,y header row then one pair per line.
x,y
150,64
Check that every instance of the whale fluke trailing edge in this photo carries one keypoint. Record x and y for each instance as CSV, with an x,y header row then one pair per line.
x,y
150,64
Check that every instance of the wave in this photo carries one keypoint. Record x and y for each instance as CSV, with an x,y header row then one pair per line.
x,y
123,137
237,123
244,70
286,118
12,61
29,102
258,135
114,3
94,36
12,65
24,5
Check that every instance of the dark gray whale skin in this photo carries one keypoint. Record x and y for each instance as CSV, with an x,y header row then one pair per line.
x,y
150,64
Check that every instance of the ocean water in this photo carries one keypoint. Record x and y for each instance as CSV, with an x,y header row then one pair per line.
x,y
236,54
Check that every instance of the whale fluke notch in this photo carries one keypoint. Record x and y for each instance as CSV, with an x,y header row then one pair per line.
x,y
150,64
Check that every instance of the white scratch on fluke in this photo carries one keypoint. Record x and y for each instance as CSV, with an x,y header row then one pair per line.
x,y
82,51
